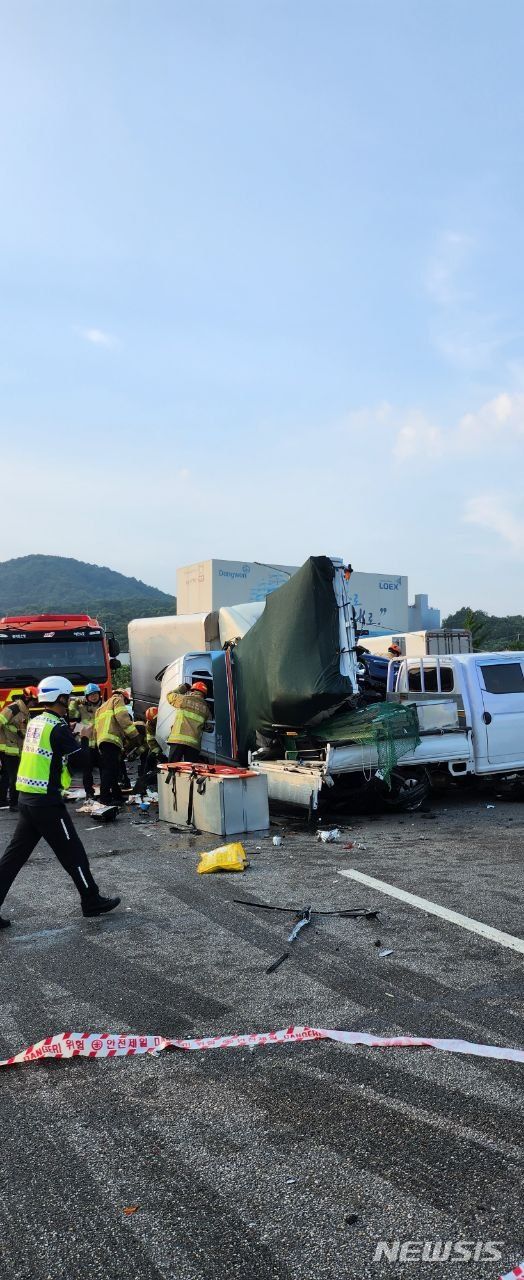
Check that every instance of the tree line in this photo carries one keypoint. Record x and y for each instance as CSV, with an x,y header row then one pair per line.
x,y
489,631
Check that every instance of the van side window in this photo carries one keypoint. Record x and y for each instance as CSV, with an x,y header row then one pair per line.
x,y
504,677
414,679
447,683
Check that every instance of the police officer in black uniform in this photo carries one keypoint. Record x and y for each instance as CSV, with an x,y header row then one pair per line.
x,y
42,776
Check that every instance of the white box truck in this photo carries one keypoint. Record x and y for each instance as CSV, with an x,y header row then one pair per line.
x,y
416,643
156,642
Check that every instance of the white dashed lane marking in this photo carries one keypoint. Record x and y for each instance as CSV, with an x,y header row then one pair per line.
x,y
433,909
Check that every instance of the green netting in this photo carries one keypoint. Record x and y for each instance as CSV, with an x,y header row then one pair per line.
x,y
389,726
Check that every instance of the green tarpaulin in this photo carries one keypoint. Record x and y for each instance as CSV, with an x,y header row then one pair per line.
x,y
287,667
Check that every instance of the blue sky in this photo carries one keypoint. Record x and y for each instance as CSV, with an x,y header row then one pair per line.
x,y
261,282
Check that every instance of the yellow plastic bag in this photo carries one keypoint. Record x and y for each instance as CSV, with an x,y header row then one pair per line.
x,y
230,857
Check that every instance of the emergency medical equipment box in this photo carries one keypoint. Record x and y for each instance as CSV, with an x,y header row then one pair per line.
x,y
215,798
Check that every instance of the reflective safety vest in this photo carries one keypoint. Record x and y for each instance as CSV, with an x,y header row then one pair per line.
x,y
151,742
192,714
13,724
84,713
113,723
37,753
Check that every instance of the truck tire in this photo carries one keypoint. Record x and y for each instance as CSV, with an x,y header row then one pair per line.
x,y
511,788
409,791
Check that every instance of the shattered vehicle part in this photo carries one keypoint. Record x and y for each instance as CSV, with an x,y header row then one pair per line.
x,y
304,920
276,963
350,913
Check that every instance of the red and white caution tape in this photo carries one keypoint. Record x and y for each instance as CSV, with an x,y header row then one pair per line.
x,y
517,1271
78,1044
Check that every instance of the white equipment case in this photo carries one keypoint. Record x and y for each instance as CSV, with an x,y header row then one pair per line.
x,y
224,801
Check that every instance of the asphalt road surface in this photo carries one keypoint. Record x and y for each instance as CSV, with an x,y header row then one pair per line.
x,y
292,1162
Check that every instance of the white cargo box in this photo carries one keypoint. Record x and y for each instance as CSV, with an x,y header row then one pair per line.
x,y
223,802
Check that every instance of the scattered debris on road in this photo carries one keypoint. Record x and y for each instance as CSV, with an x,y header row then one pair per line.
x,y
301,923
304,916
276,963
350,913
229,857
102,812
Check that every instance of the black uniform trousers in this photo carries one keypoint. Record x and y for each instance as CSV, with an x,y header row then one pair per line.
x,y
124,779
180,751
89,762
111,757
147,774
52,823
8,774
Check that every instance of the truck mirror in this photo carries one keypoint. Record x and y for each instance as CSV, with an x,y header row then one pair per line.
x,y
113,645
114,663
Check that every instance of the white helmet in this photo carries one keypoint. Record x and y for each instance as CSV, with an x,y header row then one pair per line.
x,y
54,687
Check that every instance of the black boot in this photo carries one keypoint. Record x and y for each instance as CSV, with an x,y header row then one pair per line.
x,y
4,924
98,906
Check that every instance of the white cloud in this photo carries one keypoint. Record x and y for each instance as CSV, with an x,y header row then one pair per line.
x,y
99,337
472,343
492,511
499,422
418,436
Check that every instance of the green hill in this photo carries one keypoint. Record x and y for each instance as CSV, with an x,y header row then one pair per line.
x,y
55,584
489,632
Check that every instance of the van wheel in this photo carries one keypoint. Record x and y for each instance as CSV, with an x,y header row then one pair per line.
x,y
409,791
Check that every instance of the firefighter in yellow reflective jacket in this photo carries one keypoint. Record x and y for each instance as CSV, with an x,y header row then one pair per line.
x,y
13,724
151,756
115,733
192,714
82,712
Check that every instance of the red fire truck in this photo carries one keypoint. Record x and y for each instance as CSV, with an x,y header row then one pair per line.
x,y
67,644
